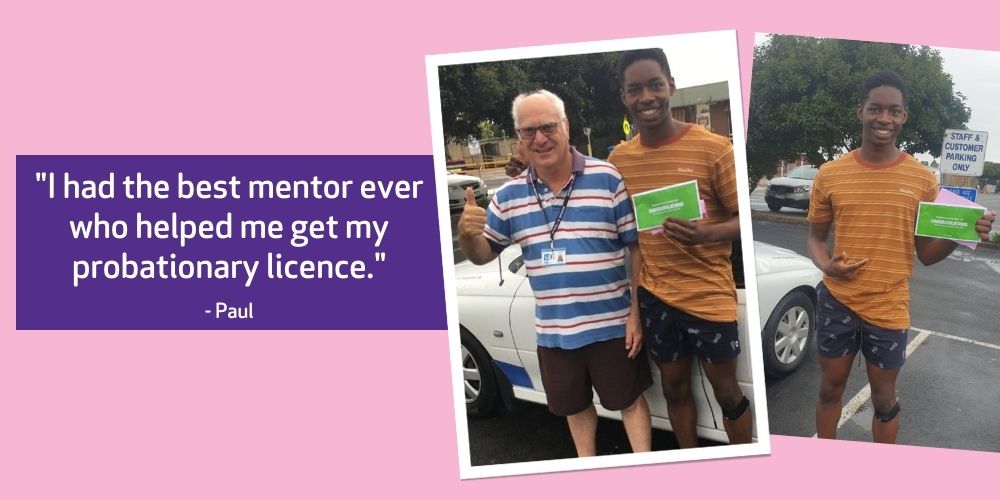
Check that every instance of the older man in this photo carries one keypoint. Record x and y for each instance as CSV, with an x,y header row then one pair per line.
x,y
572,218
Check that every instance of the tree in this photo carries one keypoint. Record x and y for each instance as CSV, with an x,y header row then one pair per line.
x,y
805,92
991,173
474,94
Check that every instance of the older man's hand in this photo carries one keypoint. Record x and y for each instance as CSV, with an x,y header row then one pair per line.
x,y
473,220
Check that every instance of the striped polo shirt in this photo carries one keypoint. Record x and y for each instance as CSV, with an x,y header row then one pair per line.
x,y
697,279
874,211
587,299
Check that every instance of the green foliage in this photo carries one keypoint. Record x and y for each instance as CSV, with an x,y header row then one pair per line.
x,y
805,93
490,129
991,172
474,94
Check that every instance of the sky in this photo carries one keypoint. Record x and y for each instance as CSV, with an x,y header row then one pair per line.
x,y
976,74
698,67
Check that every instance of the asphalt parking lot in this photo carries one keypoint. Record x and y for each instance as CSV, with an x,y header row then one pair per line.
x,y
948,388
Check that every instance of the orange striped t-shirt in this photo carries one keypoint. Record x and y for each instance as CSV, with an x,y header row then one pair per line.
x,y
697,279
874,211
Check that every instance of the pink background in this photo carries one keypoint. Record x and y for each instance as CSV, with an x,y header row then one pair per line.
x,y
319,414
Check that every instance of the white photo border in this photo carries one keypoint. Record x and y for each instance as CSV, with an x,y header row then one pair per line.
x,y
730,60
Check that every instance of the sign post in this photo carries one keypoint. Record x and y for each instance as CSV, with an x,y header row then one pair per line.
x,y
475,151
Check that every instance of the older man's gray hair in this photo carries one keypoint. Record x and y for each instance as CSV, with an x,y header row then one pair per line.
x,y
560,106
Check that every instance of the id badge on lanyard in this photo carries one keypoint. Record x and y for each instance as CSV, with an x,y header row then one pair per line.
x,y
554,256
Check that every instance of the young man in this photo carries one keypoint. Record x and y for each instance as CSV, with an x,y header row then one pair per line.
x,y
871,196
572,218
686,297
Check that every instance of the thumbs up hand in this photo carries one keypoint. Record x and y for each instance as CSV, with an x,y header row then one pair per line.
x,y
473,219
470,197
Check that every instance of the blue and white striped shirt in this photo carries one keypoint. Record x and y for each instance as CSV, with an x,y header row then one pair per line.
x,y
585,300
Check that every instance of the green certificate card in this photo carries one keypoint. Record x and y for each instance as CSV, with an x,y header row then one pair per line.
x,y
953,222
653,206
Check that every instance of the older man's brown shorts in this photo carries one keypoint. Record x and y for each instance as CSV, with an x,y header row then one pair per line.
x,y
568,376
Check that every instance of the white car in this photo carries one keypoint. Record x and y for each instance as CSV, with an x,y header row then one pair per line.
x,y
456,189
499,362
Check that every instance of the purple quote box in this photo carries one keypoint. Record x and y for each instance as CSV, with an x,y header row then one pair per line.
x,y
405,290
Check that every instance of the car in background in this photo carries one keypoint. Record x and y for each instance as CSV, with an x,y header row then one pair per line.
x,y
792,190
456,190
496,311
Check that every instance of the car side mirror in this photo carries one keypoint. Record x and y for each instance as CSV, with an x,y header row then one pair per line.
x,y
516,264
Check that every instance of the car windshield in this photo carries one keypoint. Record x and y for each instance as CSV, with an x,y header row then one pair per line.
x,y
804,172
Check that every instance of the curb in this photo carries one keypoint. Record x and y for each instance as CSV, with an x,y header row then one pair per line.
x,y
759,215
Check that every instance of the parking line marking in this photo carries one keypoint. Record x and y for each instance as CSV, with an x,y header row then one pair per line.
x,y
859,399
855,404
960,339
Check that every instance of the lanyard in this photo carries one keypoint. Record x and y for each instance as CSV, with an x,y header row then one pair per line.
x,y
562,211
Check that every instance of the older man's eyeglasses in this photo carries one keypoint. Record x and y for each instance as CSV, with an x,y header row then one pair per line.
x,y
528,133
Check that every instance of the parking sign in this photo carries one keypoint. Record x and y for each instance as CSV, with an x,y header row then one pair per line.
x,y
963,152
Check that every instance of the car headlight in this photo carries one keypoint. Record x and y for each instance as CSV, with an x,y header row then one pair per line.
x,y
802,189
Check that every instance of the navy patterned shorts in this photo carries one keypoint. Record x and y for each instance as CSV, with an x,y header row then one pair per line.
x,y
840,332
671,334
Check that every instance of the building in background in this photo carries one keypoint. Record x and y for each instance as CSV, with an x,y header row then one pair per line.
x,y
706,105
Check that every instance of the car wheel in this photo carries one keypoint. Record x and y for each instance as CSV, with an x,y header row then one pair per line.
x,y
787,334
774,207
482,396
